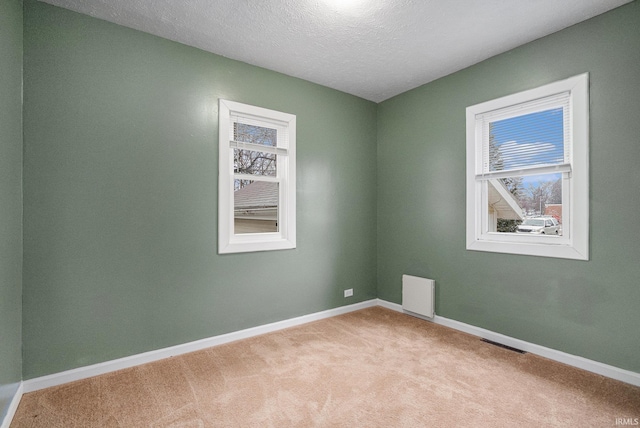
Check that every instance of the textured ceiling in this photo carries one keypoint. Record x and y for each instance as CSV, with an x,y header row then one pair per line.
x,y
374,49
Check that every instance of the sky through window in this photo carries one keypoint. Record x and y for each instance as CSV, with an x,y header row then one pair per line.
x,y
531,140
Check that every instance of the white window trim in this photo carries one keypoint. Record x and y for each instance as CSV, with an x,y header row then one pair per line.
x,y
576,245
285,238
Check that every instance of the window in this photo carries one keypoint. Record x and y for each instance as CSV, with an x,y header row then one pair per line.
x,y
527,172
257,179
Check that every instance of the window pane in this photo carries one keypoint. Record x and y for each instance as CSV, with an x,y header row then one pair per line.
x,y
254,163
254,134
524,204
524,141
255,206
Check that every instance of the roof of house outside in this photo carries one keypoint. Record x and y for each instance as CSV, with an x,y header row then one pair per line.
x,y
258,194
503,201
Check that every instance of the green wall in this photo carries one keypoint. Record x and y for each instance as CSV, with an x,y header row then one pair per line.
x,y
120,196
10,200
120,182
590,309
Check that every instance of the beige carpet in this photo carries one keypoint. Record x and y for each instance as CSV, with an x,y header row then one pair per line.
x,y
371,368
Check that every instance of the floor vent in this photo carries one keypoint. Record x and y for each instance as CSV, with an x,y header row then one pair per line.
x,y
519,351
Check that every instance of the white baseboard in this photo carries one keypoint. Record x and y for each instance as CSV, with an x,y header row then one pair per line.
x,y
55,379
147,357
11,411
572,360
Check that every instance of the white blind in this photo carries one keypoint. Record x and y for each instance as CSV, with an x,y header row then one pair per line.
x,y
258,148
276,132
526,139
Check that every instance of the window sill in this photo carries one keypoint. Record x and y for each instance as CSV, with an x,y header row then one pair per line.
x,y
563,251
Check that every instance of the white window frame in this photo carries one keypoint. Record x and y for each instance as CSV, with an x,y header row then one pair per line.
x,y
574,244
285,237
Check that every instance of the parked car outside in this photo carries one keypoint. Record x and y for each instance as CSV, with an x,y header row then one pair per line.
x,y
546,225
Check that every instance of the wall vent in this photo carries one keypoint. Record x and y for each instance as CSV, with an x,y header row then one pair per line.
x,y
491,342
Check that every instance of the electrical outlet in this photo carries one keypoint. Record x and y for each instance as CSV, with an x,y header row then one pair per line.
x,y
348,293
